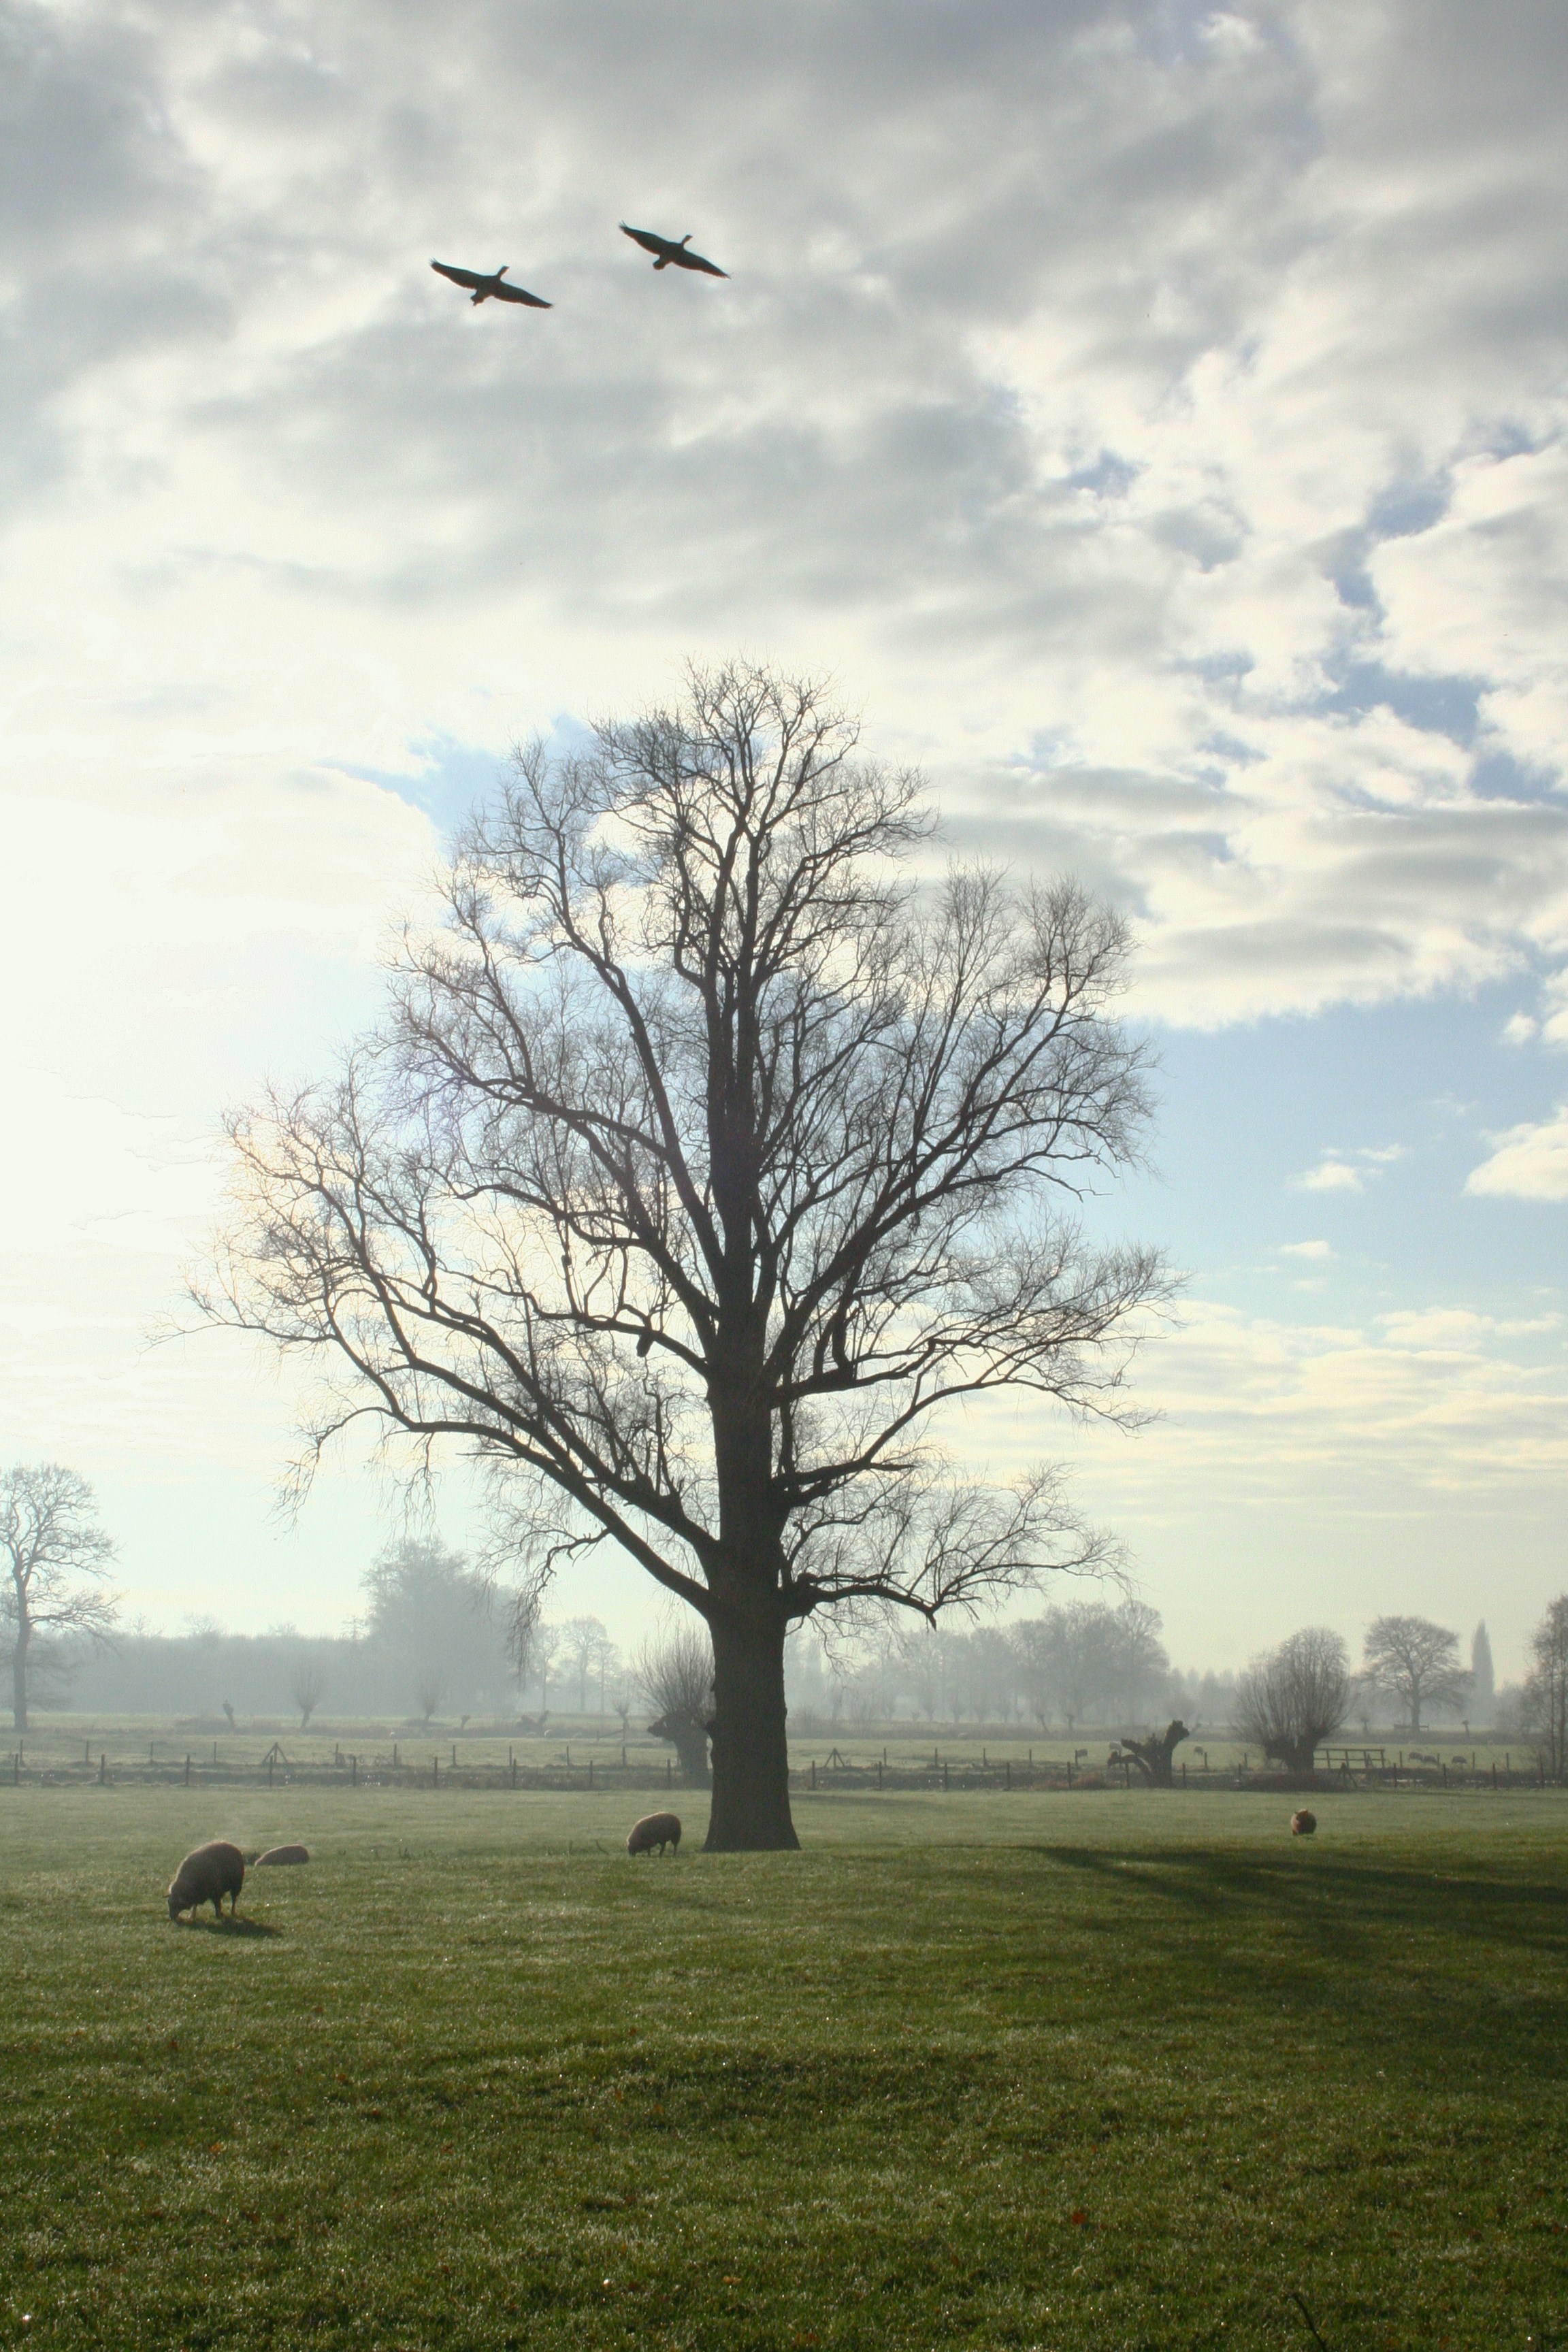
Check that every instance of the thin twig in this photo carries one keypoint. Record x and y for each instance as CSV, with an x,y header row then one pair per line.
x,y
1311,2323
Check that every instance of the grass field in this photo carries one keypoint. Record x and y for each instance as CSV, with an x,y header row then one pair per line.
x,y
1096,2071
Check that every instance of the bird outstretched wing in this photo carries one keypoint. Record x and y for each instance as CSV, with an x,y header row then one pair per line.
x,y
457,276
504,293
647,239
698,261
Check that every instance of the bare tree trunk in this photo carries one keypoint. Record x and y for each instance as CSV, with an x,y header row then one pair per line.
x,y
19,1675
750,1752
1153,1757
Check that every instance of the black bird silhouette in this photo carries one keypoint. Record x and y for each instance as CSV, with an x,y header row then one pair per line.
x,y
668,251
485,287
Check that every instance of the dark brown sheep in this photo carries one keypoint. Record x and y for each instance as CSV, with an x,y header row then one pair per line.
x,y
654,1830
1303,1824
277,1855
207,1876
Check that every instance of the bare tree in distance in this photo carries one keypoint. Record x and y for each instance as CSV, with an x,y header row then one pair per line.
x,y
1545,1697
707,1166
56,1557
307,1686
674,1670
431,1691
1416,1662
1297,1696
585,1647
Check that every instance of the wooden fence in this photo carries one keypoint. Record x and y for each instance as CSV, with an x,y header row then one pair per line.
x,y
1356,1768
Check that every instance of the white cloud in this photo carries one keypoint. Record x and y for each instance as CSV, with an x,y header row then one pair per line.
x,y
1528,1163
1347,1171
1331,1175
1317,1251
1423,1402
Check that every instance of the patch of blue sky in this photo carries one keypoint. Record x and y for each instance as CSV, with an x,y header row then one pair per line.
x,y
1440,705
1355,1131
448,779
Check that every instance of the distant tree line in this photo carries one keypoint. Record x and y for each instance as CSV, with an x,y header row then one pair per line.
x,y
1082,1662
436,1638
430,1643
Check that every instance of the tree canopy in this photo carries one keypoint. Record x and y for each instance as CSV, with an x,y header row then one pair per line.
x,y
1296,1696
1417,1662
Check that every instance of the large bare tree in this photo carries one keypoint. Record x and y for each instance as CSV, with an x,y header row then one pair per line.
x,y
707,1167
54,1557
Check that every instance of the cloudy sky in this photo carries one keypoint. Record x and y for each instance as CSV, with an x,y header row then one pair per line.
x,y
1157,420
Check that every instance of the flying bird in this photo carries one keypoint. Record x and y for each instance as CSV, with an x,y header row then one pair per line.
x,y
485,287
668,251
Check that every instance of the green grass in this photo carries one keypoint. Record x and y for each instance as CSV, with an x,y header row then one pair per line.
x,y
1093,2071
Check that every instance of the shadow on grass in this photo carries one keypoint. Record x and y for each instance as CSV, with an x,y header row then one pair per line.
x,y
1310,1881
238,1927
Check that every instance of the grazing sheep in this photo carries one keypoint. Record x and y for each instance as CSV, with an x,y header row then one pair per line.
x,y
1303,1824
654,1830
207,1876
277,1855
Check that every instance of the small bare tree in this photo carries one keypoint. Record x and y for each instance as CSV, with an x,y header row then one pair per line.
x,y
54,1557
1545,1697
704,1172
675,1672
307,1683
432,1690
1290,1701
1416,1662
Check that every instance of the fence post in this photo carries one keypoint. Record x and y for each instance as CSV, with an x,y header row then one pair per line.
x,y
354,1772
944,1778
814,1771
102,1768
669,1772
878,1775
590,1771
513,1761
453,1755
394,1764
187,1770
435,1772
269,1771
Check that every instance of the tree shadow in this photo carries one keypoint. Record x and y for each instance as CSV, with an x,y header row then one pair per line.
x,y
230,1926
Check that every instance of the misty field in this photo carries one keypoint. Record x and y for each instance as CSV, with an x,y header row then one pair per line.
x,y
1098,2070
